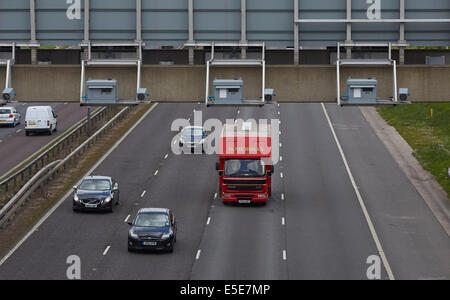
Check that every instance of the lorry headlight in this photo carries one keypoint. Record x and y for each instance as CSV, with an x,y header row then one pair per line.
x,y
227,195
261,196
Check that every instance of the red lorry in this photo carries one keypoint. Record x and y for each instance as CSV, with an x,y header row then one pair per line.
x,y
245,165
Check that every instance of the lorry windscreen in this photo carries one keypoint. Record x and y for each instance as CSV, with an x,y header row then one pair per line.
x,y
244,168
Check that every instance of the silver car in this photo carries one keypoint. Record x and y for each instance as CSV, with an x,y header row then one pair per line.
x,y
193,137
9,116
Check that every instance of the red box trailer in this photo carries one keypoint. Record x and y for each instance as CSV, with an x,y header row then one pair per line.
x,y
245,163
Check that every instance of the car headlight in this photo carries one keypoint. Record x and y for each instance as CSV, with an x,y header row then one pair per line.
x,y
75,198
107,200
166,236
132,234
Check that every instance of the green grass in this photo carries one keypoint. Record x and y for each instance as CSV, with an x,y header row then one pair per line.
x,y
428,136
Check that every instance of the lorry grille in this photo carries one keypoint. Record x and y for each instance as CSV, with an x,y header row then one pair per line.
x,y
244,187
237,181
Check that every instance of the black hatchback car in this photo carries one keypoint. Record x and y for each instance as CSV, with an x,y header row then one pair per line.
x,y
153,229
100,193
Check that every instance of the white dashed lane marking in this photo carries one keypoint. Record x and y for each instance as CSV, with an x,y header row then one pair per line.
x,y
106,250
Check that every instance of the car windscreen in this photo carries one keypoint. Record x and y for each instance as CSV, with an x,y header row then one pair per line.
x,y
188,132
244,168
158,220
95,185
5,111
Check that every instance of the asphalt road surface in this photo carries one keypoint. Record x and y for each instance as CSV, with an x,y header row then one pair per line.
x,y
314,227
16,147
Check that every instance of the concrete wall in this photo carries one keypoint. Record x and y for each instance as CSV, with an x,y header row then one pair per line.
x,y
187,83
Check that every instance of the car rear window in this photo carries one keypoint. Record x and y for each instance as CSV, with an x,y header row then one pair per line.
x,y
5,111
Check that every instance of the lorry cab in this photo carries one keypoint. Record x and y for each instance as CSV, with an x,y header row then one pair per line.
x,y
245,164
40,119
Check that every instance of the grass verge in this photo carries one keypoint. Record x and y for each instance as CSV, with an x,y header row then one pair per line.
x,y
426,128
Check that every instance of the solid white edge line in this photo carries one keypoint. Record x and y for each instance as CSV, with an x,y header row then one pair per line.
x,y
106,250
282,196
360,199
52,210
283,221
197,256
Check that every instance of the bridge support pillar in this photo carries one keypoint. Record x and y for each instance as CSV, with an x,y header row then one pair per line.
x,y
191,56
401,55
348,52
34,56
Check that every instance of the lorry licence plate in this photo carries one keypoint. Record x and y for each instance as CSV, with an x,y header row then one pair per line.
x,y
245,201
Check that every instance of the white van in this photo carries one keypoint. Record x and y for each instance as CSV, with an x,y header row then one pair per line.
x,y
40,119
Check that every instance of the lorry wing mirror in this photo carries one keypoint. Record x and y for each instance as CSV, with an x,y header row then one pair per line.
x,y
217,166
220,173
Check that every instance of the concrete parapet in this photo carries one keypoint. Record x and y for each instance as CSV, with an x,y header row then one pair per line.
x,y
302,83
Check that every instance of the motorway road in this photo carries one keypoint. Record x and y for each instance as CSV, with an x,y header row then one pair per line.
x,y
313,228
16,147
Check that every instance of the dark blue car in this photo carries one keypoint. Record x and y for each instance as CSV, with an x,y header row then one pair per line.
x,y
96,193
153,229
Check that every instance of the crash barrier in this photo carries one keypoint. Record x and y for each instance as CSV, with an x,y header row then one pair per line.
x,y
53,169
14,181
